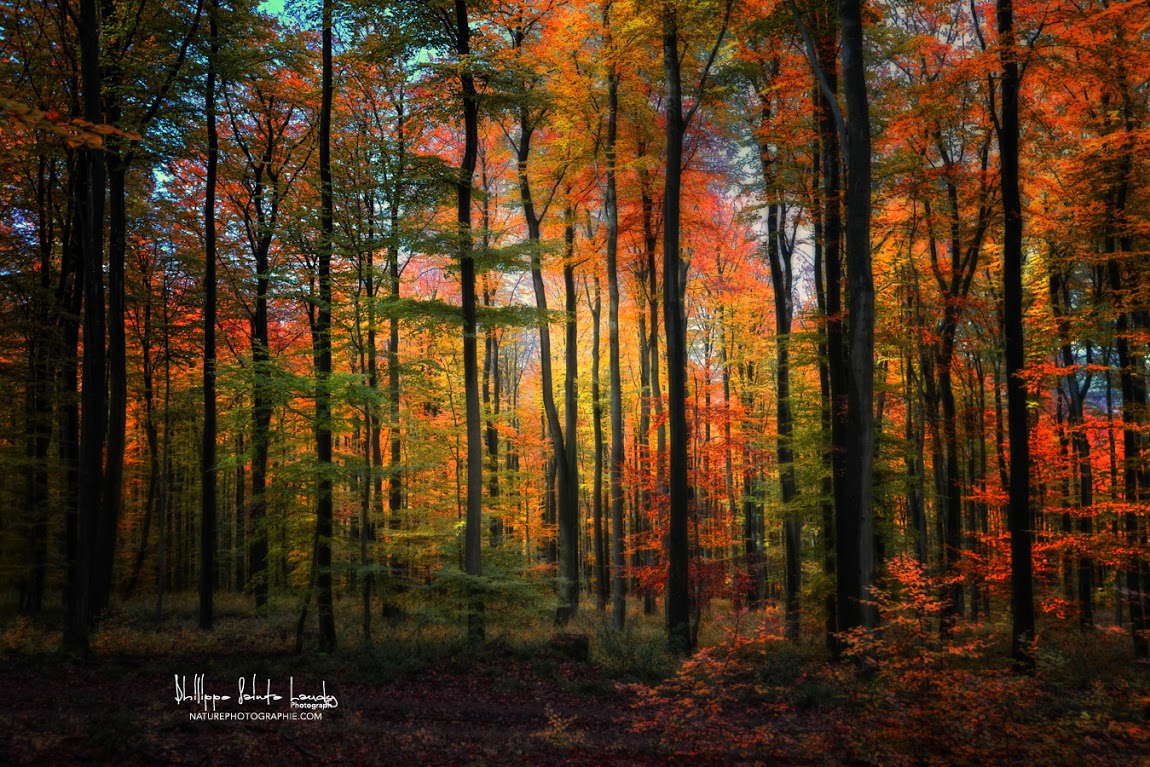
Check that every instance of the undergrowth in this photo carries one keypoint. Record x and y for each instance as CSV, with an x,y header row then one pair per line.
x,y
904,695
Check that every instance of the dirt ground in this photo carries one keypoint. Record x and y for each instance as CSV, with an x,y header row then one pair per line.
x,y
529,703
499,712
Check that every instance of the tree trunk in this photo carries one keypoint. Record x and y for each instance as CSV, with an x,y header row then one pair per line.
x,y
602,583
566,481
618,455
854,536
1018,511
655,476
323,435
395,465
678,577
569,512
1060,303
38,405
208,449
473,532
779,255
94,395
832,372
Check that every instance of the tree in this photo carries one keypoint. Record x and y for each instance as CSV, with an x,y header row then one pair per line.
x,y
531,111
118,71
679,634
271,131
1018,516
83,527
473,534
611,213
323,414
208,454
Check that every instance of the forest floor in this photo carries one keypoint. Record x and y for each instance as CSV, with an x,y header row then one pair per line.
x,y
421,698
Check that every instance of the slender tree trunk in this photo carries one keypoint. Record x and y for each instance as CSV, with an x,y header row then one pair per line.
x,y
69,299
951,486
166,463
569,521
395,445
1018,514
94,394
473,532
240,552
678,578
1060,302
680,636
208,449
854,516
652,392
490,408
729,457
116,161
38,431
372,457
323,435
602,582
566,482
396,474
618,455
779,255
1133,399
151,435
105,552
828,288
651,342
915,439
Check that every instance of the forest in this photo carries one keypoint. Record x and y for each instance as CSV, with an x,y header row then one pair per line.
x,y
578,381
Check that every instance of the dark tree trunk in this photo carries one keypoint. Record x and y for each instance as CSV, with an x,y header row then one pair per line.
x,y
651,358
617,456
323,435
105,551
954,286
491,408
678,578
165,462
602,582
261,433
395,478
915,437
854,536
1018,515
473,533
240,552
729,457
1060,303
569,513
652,391
1130,326
94,394
562,446
372,457
779,255
828,288
779,258
38,405
680,637
69,298
1133,390
152,437
208,450
395,466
